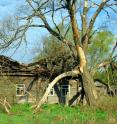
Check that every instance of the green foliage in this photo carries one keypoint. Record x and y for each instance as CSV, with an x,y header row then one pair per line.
x,y
57,55
52,48
103,75
100,47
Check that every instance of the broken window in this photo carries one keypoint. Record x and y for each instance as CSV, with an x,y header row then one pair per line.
x,y
51,92
20,89
65,90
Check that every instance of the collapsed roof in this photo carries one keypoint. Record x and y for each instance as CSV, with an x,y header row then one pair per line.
x,y
10,67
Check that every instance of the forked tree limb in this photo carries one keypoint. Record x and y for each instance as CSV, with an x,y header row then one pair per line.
x,y
73,73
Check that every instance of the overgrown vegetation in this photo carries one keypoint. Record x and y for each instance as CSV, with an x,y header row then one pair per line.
x,y
59,114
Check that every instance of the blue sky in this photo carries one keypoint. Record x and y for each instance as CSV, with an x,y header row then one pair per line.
x,y
8,7
26,53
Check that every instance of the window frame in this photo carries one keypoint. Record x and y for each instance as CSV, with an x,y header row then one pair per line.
x,y
20,87
52,89
68,88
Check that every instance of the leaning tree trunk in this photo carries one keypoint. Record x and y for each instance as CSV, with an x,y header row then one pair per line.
x,y
88,81
89,87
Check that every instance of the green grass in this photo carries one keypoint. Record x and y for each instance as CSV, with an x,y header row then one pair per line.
x,y
59,114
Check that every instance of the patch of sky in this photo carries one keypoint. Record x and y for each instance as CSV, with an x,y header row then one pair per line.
x,y
25,53
8,7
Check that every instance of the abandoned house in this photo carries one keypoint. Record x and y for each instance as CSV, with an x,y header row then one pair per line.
x,y
28,82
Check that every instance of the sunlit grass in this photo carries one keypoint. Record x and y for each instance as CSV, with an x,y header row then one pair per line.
x,y
59,114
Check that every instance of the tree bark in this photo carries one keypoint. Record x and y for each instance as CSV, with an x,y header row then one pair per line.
x,y
88,82
89,88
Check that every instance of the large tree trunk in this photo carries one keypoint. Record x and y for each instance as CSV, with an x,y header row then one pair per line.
x,y
88,82
89,87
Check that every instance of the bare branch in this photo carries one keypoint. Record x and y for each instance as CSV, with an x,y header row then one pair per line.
x,y
56,9
53,10
67,31
34,25
18,34
92,21
113,9
5,104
